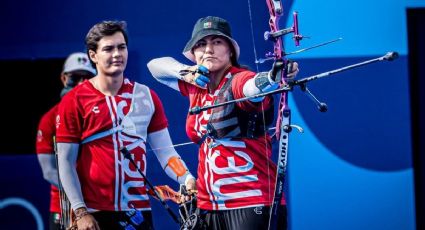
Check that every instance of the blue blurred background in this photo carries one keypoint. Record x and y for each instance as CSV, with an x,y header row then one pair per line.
x,y
351,168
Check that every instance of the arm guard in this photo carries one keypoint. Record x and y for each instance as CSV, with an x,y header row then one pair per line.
x,y
260,83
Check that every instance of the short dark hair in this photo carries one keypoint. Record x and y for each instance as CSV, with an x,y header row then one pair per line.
x,y
103,29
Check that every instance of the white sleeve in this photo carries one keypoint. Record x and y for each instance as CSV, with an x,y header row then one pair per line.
x,y
166,71
48,167
67,160
160,142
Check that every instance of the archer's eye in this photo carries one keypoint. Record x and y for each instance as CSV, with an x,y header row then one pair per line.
x,y
218,41
107,48
199,44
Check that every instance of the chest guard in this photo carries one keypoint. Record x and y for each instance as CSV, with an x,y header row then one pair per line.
x,y
230,121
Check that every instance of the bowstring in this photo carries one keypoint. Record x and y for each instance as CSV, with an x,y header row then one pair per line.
x,y
192,143
252,36
270,196
171,146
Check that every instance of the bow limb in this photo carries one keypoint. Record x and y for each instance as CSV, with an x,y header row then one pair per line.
x,y
275,11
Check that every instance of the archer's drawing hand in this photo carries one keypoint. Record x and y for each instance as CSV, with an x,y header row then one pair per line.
x,y
196,75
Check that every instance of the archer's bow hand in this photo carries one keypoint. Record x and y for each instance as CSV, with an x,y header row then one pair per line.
x,y
196,75
291,69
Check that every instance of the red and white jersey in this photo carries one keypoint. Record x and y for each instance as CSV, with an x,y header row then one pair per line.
x,y
108,180
232,173
45,145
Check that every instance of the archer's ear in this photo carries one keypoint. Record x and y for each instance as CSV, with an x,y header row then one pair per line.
x,y
92,56
63,79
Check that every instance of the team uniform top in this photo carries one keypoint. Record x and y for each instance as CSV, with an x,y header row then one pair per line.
x,y
108,180
232,173
45,145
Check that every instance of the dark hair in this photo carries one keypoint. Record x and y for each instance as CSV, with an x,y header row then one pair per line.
x,y
233,58
103,29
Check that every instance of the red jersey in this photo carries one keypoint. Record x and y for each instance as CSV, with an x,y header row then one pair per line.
x,y
232,173
108,180
45,145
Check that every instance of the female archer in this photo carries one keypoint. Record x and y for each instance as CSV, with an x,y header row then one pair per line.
x,y
236,175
